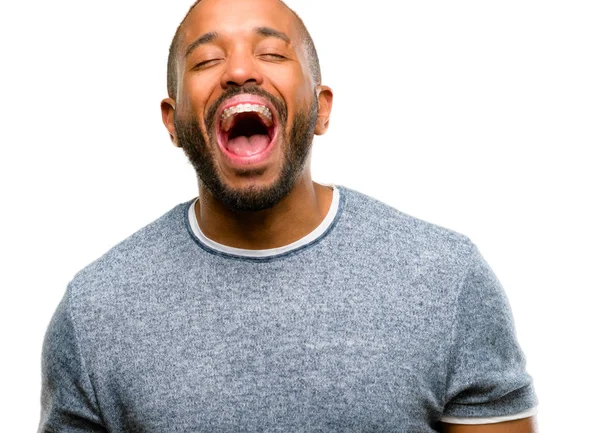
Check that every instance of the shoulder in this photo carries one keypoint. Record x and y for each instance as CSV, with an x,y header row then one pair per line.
x,y
136,255
382,225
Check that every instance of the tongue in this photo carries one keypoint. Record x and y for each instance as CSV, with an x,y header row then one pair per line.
x,y
247,146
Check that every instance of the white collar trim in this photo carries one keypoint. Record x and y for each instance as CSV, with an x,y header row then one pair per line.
x,y
316,233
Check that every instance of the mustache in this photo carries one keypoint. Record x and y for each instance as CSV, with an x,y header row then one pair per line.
x,y
251,89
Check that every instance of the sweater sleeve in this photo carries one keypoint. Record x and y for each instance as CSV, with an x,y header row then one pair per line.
x,y
486,371
68,402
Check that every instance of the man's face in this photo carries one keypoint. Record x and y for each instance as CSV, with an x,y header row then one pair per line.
x,y
246,107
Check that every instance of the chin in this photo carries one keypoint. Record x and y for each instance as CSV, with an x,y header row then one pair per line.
x,y
252,195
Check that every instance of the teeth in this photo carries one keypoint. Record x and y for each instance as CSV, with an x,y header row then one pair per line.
x,y
229,114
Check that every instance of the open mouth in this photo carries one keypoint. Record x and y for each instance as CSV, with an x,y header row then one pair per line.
x,y
246,130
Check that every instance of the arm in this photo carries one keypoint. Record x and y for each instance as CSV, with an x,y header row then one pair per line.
x,y
486,367
68,398
525,425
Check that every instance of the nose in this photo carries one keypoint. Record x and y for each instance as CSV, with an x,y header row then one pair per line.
x,y
241,68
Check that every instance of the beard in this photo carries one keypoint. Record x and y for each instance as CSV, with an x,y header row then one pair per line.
x,y
297,146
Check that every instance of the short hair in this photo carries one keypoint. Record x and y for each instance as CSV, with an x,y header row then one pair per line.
x,y
306,40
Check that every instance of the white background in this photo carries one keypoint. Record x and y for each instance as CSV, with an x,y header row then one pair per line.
x,y
478,116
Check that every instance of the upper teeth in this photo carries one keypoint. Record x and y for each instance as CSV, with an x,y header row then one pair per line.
x,y
228,114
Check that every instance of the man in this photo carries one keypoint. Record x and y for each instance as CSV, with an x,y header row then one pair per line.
x,y
270,302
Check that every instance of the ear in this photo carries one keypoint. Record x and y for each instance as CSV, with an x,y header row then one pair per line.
x,y
167,107
325,98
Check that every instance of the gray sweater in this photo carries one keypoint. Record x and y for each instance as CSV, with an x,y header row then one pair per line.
x,y
381,323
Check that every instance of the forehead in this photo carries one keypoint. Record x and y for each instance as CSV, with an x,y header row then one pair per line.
x,y
238,18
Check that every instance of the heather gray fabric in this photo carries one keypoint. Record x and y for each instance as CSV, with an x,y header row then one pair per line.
x,y
383,324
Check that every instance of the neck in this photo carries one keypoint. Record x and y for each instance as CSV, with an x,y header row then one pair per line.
x,y
295,216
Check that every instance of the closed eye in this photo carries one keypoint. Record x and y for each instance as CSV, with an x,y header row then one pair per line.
x,y
205,64
273,56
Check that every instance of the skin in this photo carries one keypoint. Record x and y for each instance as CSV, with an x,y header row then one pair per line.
x,y
525,425
238,56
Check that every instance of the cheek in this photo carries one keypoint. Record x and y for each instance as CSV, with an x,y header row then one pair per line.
x,y
196,95
194,104
296,90
303,91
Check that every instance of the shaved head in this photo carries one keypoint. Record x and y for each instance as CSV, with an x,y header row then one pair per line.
x,y
175,50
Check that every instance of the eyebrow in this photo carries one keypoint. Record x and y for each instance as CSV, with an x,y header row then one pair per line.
x,y
269,32
204,39
211,36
